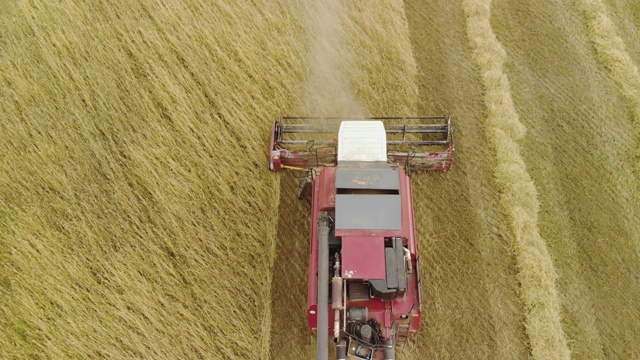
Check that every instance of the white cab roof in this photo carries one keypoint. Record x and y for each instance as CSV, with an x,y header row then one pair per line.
x,y
363,140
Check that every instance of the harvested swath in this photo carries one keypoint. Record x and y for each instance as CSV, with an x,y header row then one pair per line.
x,y
614,56
519,197
470,291
571,106
612,52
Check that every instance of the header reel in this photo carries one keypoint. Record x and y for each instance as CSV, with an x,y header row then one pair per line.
x,y
419,143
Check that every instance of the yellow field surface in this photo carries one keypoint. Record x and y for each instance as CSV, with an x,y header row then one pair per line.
x,y
138,218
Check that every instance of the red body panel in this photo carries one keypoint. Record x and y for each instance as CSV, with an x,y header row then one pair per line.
x,y
361,256
386,312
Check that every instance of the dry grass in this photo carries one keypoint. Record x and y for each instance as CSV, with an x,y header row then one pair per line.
x,y
138,220
612,52
571,106
138,216
519,196
614,56
471,305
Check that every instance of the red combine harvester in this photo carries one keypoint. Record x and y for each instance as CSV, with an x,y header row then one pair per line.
x,y
364,274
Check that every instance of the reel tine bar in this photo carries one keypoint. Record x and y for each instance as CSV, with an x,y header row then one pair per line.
x,y
294,146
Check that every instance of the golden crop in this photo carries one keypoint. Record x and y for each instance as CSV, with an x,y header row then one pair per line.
x,y
138,218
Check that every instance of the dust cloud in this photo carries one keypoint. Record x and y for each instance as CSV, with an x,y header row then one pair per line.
x,y
328,92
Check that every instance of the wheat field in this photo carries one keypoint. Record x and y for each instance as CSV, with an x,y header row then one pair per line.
x,y
138,218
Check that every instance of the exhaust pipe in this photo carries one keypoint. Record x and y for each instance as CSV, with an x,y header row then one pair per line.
x,y
341,350
322,347
389,350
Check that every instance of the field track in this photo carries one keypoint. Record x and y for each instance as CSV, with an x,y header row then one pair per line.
x,y
138,218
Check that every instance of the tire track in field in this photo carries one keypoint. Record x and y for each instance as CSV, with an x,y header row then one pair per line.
x,y
536,273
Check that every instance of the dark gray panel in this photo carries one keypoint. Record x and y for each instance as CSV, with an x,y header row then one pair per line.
x,y
379,179
400,266
368,212
392,268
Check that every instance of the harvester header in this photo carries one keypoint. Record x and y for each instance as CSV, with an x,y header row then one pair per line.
x,y
419,143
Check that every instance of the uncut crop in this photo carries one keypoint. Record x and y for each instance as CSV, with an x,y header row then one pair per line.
x,y
137,213
138,218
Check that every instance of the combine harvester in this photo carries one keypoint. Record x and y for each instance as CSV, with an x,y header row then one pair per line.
x,y
363,254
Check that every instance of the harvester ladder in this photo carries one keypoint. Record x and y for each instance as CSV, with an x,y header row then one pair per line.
x,y
403,328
